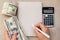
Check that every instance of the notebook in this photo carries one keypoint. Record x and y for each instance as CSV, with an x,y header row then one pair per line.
x,y
29,13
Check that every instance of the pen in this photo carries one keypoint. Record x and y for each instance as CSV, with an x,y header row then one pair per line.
x,y
45,34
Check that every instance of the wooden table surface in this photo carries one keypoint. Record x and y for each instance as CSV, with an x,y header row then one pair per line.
x,y
55,31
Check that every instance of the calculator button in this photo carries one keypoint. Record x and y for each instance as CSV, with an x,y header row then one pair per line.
x,y
48,20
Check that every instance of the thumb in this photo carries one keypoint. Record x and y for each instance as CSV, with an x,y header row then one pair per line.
x,y
40,35
14,36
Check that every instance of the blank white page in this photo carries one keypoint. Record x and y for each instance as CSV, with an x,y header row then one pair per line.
x,y
29,13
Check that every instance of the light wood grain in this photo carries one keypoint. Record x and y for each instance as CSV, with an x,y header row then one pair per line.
x,y
55,32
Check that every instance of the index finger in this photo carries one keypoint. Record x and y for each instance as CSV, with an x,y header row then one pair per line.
x,y
40,25
7,35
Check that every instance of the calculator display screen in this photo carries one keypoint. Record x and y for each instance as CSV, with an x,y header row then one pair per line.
x,y
48,10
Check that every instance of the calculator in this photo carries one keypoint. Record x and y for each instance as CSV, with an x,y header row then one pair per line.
x,y
48,16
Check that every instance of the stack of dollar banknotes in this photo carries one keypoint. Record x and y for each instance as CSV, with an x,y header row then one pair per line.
x,y
12,23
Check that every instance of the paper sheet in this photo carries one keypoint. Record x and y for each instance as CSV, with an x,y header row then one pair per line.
x,y
29,13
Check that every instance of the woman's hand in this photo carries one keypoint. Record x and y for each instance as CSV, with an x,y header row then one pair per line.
x,y
44,29
7,37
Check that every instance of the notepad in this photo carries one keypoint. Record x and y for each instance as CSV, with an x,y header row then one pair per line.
x,y
29,13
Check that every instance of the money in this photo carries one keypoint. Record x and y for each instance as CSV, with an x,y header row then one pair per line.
x,y
12,25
